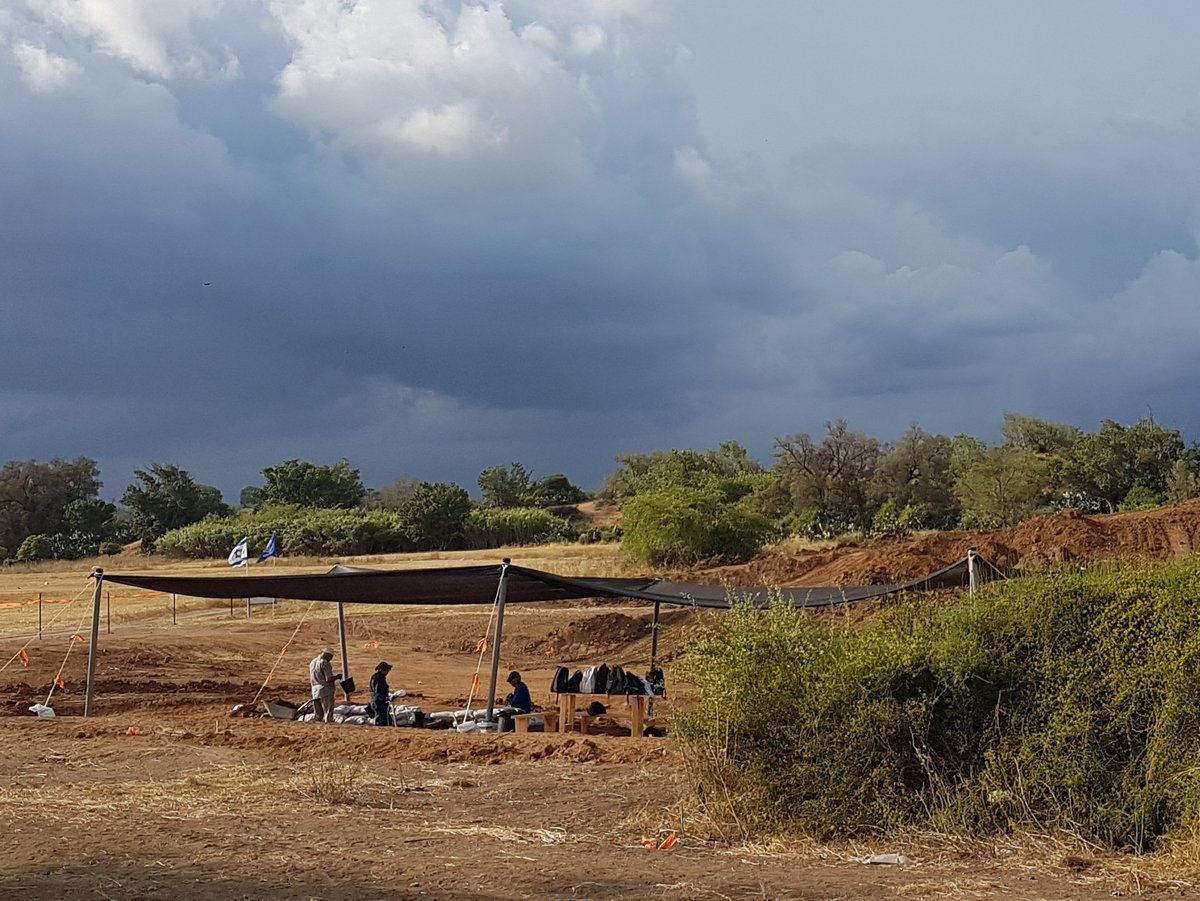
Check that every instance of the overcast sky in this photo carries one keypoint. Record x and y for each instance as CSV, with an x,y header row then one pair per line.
x,y
434,236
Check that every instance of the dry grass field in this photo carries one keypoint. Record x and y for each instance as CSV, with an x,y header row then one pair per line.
x,y
163,794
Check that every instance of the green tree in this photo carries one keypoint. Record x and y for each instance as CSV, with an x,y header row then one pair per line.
x,y
34,496
556,490
510,486
1107,464
436,515
1000,486
682,526
729,464
915,473
1038,435
34,547
1183,483
307,484
168,498
832,477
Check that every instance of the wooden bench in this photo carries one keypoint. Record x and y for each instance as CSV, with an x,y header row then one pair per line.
x,y
521,720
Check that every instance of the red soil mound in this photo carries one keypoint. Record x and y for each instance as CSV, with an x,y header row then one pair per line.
x,y
1165,533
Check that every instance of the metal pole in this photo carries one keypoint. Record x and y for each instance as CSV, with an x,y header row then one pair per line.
x,y
98,574
342,638
108,611
173,596
501,597
654,636
39,616
972,576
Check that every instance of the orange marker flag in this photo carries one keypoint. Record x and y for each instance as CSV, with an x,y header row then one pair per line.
x,y
371,644
481,646
668,843
24,657
285,647
270,676
475,682
77,637
58,681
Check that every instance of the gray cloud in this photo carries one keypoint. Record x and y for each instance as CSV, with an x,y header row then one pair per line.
x,y
445,236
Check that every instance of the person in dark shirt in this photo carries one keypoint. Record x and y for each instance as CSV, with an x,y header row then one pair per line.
x,y
518,698
381,701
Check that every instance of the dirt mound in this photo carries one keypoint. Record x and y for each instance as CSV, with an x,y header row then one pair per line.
x,y
1070,537
602,632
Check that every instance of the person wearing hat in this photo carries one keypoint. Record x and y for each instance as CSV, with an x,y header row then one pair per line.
x,y
324,681
519,698
381,696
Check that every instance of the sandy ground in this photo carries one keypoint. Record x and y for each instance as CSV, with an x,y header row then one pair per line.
x,y
163,794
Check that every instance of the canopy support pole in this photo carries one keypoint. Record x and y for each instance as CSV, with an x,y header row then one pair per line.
x,y
972,571
342,639
654,636
98,573
501,596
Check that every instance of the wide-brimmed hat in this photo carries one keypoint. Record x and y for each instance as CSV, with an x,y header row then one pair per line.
x,y
328,651
514,676
382,665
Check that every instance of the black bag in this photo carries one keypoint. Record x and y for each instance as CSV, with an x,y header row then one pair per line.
x,y
574,683
558,685
657,681
635,684
616,680
595,680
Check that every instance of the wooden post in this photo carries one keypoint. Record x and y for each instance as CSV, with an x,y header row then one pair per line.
x,y
39,616
108,611
98,574
501,596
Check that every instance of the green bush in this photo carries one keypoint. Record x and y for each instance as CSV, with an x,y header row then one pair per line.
x,y
488,527
110,548
34,547
1065,702
681,526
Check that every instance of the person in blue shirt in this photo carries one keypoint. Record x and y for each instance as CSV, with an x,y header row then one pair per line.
x,y
381,701
519,698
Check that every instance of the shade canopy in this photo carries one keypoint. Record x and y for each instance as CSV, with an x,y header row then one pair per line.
x,y
477,585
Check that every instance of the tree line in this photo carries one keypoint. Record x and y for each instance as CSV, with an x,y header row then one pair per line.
x,y
677,506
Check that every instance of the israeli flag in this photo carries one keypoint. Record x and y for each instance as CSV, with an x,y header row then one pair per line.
x,y
271,550
240,555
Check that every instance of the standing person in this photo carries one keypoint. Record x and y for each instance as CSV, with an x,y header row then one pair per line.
x,y
381,696
323,679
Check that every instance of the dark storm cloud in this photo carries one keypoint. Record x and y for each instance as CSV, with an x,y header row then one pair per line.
x,y
441,238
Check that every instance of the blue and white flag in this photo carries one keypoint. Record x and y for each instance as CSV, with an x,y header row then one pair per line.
x,y
240,555
271,550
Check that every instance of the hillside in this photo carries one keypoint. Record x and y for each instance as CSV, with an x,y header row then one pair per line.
x,y
1165,533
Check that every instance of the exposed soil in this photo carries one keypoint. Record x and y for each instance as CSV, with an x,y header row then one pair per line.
x,y
164,793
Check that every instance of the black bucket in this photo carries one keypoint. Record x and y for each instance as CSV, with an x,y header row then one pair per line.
x,y
348,685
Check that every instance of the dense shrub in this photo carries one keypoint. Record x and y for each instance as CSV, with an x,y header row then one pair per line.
x,y
685,525
1053,703
488,527
318,532
35,547
110,548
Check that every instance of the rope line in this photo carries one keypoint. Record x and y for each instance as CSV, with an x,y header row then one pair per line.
x,y
481,646
33,638
75,637
284,650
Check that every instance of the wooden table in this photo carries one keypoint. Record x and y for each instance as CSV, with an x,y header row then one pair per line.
x,y
568,710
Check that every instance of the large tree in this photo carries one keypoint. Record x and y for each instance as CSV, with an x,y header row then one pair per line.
x,y
34,496
167,497
830,478
436,515
506,486
998,486
1105,465
916,473
312,485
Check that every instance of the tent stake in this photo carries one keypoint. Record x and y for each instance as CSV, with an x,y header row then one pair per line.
x,y
501,596
342,639
98,573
